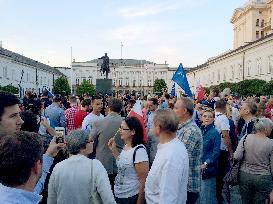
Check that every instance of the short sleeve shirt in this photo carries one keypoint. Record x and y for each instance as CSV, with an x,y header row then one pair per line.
x,y
127,182
221,123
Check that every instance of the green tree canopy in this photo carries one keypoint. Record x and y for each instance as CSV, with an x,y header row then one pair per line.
x,y
252,86
160,86
86,87
10,89
61,86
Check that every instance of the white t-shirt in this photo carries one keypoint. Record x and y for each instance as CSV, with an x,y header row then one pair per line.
x,y
127,182
89,120
221,123
168,178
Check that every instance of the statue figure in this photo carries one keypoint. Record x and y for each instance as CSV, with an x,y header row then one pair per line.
x,y
105,68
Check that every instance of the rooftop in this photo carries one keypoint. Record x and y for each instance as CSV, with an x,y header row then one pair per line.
x,y
27,61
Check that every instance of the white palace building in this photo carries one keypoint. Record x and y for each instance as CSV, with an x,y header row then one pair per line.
x,y
20,71
252,56
128,75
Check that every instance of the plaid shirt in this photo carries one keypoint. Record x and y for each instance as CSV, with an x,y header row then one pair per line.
x,y
190,134
70,118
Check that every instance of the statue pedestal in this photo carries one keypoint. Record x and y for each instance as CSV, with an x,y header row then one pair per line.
x,y
104,86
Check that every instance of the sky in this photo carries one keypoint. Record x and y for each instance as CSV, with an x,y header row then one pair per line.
x,y
175,31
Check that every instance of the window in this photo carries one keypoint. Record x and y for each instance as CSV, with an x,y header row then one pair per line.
x,y
257,34
213,77
127,81
12,74
120,82
149,82
27,77
77,81
257,22
218,75
224,74
134,83
262,34
258,65
232,72
114,82
248,68
140,82
262,23
5,72
270,64
240,71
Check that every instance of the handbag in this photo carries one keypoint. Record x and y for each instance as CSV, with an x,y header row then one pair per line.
x,y
95,196
233,176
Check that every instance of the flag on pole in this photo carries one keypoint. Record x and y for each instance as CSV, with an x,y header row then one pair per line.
x,y
49,93
137,112
200,91
173,93
181,79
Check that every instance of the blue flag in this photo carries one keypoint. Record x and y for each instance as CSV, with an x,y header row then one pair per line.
x,y
173,93
181,79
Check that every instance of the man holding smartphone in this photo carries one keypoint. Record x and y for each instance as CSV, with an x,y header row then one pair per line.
x,y
10,121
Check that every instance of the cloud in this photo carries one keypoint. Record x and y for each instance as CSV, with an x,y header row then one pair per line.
x,y
157,8
133,34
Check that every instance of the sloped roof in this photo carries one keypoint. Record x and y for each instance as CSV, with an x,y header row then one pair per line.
x,y
27,61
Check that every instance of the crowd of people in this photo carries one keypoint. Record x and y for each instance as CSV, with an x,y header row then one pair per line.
x,y
182,154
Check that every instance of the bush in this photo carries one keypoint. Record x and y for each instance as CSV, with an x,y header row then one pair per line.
x,y
10,89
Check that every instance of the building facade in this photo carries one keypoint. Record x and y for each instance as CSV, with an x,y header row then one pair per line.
x,y
25,73
251,60
252,22
128,75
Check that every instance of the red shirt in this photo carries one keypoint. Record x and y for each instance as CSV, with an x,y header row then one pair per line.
x,y
70,118
79,116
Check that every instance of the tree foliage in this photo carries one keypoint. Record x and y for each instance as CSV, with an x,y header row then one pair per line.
x,y
251,86
160,86
86,87
10,89
61,86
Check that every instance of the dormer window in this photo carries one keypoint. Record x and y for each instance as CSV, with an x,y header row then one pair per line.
x,y
257,22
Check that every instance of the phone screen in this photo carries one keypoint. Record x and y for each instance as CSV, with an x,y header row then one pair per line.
x,y
60,131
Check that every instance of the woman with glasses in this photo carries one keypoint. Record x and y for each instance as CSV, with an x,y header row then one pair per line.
x,y
255,151
211,152
132,163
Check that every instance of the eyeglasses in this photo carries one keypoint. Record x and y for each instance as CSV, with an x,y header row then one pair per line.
x,y
123,128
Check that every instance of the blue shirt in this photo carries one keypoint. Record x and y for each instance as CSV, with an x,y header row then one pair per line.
x,y
47,162
55,115
18,196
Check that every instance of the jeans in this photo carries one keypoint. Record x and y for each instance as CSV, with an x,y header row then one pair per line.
x,y
192,197
255,188
130,200
208,191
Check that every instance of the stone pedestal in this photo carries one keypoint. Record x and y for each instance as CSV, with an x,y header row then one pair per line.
x,y
104,86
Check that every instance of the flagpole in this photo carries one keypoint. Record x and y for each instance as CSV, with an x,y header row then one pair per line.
x,y
71,71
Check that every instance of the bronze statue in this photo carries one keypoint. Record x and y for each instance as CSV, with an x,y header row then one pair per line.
x,y
105,68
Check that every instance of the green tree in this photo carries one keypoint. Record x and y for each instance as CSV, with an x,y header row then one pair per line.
x,y
160,86
232,86
61,86
251,86
10,89
268,88
86,87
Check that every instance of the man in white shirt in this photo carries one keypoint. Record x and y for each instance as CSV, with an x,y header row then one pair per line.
x,y
94,115
226,153
168,178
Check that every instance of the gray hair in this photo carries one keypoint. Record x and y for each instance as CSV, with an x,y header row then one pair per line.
x,y
76,141
188,104
166,119
262,125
